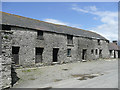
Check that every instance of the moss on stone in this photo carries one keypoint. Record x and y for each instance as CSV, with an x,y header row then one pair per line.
x,y
6,37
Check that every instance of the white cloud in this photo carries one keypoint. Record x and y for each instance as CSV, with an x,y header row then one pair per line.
x,y
95,18
81,10
109,28
93,8
55,21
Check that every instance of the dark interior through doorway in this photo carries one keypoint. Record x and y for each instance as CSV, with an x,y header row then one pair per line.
x,y
114,54
15,54
55,54
38,57
100,54
118,53
84,54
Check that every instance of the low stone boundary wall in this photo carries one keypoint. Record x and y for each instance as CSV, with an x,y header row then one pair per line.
x,y
5,58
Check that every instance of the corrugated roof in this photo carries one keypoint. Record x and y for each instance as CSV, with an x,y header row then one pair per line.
x,y
112,46
16,20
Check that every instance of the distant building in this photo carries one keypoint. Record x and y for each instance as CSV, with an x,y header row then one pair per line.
x,y
113,49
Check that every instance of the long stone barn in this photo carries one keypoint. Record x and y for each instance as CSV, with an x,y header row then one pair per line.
x,y
30,42
35,41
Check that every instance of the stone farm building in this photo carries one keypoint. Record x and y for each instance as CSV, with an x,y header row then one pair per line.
x,y
29,42
114,50
35,41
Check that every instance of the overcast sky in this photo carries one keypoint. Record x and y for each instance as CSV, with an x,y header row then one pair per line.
x,y
100,17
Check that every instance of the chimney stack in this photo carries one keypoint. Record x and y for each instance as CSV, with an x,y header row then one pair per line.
x,y
115,42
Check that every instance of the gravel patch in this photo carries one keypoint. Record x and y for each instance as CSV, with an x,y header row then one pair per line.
x,y
39,76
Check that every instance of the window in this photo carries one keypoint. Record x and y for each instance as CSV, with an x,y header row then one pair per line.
x,y
68,52
40,35
92,51
69,39
98,42
96,51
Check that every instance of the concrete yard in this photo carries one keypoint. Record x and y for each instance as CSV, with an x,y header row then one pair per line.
x,y
91,74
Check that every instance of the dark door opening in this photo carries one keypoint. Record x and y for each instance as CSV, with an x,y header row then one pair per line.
x,y
110,51
0,44
100,54
55,54
118,53
84,54
114,54
38,57
15,54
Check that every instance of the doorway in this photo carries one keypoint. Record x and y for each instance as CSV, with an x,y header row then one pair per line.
x,y
38,55
15,54
0,44
114,54
84,54
100,53
55,54
118,53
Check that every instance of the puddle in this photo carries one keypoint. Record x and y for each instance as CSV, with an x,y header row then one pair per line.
x,y
65,69
77,75
46,88
32,78
86,76
57,80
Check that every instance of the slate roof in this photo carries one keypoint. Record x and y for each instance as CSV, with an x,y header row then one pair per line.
x,y
16,20
119,48
113,46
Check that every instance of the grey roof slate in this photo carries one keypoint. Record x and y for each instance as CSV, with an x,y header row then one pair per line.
x,y
118,47
113,46
15,20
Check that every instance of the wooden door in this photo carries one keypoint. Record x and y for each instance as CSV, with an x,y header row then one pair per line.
x,y
39,52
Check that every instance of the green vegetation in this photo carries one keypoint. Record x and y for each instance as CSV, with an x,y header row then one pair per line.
x,y
57,80
26,70
32,78
6,37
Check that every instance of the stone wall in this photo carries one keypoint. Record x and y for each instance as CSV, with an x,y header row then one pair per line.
x,y
0,62
5,59
92,44
27,40
0,73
